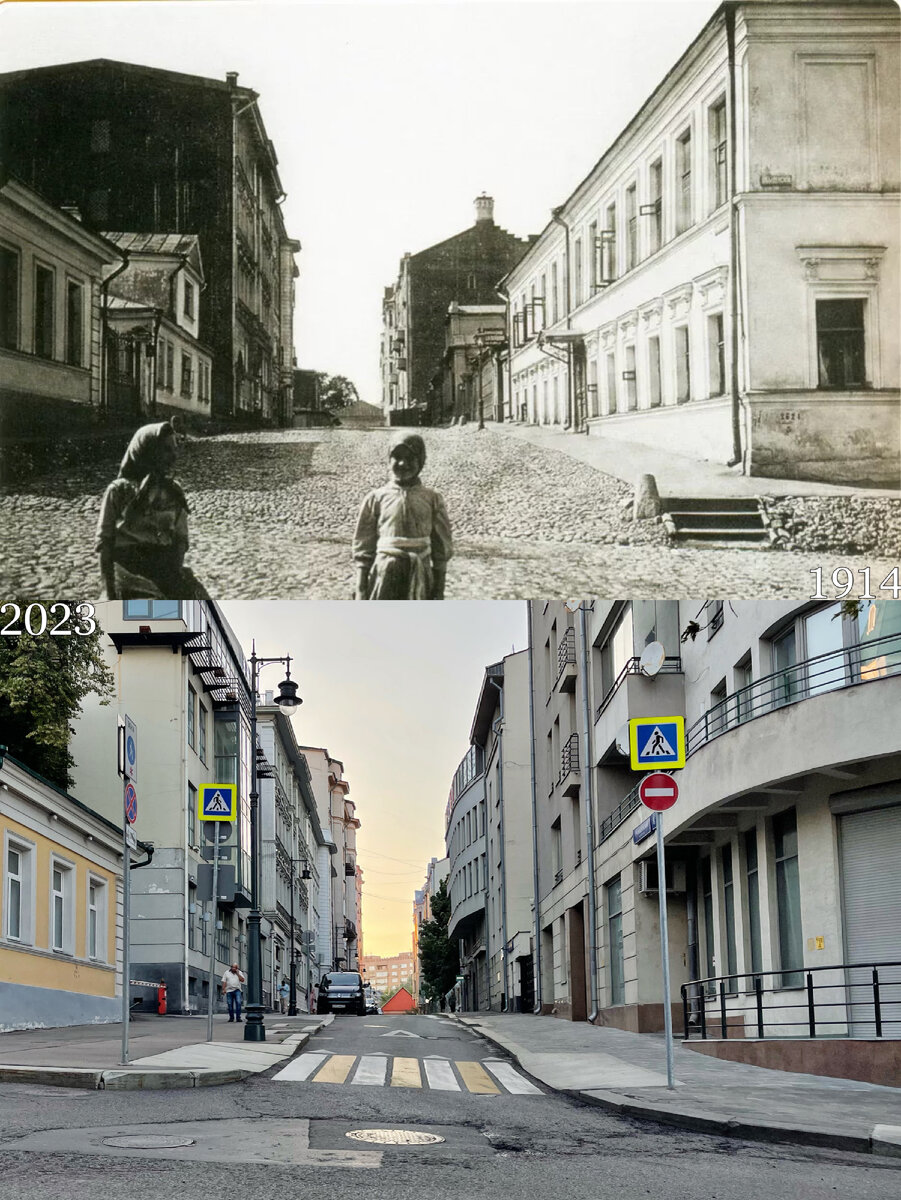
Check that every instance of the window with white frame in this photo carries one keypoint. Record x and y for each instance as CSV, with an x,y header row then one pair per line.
x,y
630,382
74,323
684,206
610,360
9,298
655,390
655,204
716,355
97,918
555,293
577,266
717,149
631,227
62,906
683,364
18,891
192,717
594,275
608,245
201,732
841,346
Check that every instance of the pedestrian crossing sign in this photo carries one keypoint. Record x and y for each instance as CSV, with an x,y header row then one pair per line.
x,y
217,802
656,742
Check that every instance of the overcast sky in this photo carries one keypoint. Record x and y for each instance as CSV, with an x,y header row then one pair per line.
x,y
389,119
390,690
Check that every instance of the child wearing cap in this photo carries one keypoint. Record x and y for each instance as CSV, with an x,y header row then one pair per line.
x,y
403,538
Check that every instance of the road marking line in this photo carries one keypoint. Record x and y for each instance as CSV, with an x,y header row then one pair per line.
x,y
372,1069
405,1073
477,1079
440,1075
336,1069
301,1067
512,1080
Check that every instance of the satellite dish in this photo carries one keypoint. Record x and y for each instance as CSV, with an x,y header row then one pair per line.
x,y
572,606
652,659
622,740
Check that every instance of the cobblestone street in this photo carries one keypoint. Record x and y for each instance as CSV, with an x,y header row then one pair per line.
x,y
272,515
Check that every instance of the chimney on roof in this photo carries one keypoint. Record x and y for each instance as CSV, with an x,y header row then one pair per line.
x,y
484,209
72,210
231,78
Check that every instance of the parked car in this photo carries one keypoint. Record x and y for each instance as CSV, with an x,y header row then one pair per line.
x,y
342,991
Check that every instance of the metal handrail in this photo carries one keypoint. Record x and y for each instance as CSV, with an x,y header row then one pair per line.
x,y
569,758
721,992
566,652
850,666
624,809
672,665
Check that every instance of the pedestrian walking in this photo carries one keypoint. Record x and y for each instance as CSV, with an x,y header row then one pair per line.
x,y
284,992
232,983
403,537
142,533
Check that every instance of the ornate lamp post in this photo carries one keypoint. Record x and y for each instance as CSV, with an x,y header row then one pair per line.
x,y
287,698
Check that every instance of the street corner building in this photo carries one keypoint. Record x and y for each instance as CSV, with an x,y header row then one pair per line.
x,y
162,157
60,906
782,849
724,283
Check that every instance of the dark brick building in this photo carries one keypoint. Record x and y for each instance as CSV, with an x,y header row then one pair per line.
x,y
137,148
465,268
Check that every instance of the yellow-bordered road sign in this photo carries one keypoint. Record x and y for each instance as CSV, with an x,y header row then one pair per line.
x,y
217,802
656,742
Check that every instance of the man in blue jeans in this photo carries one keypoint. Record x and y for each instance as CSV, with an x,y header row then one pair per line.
x,y
232,982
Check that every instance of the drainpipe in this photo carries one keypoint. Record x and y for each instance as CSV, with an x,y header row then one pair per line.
x,y
570,389
499,730
734,389
589,823
537,956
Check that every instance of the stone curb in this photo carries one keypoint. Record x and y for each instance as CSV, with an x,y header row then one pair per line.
x,y
759,1131
120,1079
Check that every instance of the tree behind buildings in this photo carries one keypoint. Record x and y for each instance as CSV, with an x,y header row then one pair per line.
x,y
438,957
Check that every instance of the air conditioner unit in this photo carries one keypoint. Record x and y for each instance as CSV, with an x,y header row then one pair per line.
x,y
649,882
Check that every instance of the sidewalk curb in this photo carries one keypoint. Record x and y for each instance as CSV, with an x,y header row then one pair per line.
x,y
873,1143
150,1078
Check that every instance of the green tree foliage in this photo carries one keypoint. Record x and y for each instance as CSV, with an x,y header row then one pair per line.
x,y
43,681
336,391
438,956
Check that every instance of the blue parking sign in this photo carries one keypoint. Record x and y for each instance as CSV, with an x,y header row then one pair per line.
x,y
656,742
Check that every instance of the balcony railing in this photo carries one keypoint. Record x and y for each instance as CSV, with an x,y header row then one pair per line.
x,y
569,757
852,665
566,651
623,810
848,1000
672,665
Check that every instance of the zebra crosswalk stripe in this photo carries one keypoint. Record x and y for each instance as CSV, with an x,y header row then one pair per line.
x,y
440,1075
380,1070
405,1073
477,1079
512,1080
301,1067
371,1069
336,1069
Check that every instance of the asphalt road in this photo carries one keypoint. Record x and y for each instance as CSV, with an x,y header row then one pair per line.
x,y
278,1137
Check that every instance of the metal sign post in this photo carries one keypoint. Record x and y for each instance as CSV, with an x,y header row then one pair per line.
x,y
126,939
215,903
218,804
664,950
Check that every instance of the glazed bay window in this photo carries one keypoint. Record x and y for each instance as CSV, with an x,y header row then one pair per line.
x,y
683,181
62,905
9,298
716,355
74,323
43,311
788,898
718,143
157,610
840,343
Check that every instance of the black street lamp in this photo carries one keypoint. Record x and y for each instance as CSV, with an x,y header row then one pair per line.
x,y
305,873
254,1028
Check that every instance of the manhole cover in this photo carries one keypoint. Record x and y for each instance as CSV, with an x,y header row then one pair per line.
x,y
395,1137
148,1142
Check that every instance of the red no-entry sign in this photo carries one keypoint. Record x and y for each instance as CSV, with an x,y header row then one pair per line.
x,y
658,791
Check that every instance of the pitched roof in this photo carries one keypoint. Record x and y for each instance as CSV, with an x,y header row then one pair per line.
x,y
155,243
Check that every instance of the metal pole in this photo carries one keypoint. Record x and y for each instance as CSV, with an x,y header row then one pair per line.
x,y
254,1027
126,941
536,980
587,769
292,1003
664,950
212,985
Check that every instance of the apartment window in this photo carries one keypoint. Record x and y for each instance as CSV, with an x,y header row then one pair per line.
x,y
98,207
629,379
753,885
557,850
611,382
617,651
608,245
61,906
9,298
655,388
155,610
716,355
655,206
189,300
683,173
716,126
192,815
555,293
707,905
542,300
717,719
594,277
201,732
203,917
577,263
74,324
100,136
170,366
187,374
43,311
840,343
631,227
192,717
716,613
615,941
223,934
729,916
785,657
97,893
18,892
788,897
683,364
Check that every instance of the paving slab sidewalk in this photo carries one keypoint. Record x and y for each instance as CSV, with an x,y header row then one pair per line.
x,y
164,1052
626,1072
